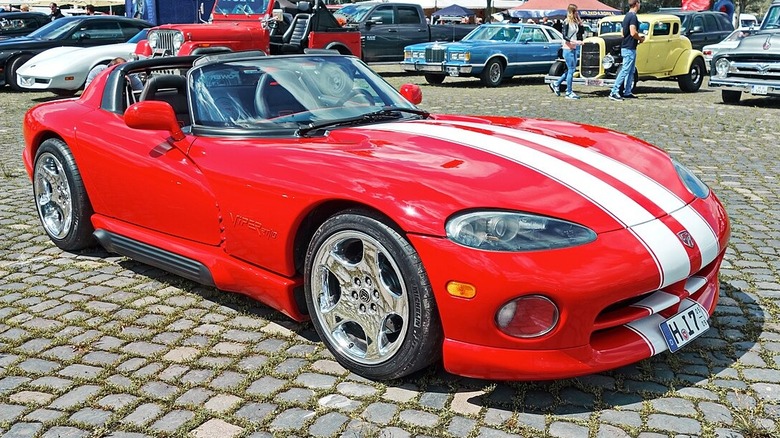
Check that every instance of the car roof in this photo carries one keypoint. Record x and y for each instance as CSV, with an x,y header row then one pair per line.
x,y
104,18
643,17
10,15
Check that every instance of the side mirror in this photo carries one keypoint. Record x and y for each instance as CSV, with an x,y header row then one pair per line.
x,y
696,29
412,93
154,114
82,36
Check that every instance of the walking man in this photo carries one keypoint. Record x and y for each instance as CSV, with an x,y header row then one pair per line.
x,y
631,37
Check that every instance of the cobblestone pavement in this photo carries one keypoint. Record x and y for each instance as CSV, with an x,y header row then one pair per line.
x,y
92,344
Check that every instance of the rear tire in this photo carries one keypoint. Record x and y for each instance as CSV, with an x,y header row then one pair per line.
x,y
10,73
691,82
730,96
434,79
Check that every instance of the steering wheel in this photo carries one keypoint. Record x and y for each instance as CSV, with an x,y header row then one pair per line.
x,y
355,93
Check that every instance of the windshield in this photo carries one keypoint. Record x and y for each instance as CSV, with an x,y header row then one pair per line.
x,y
610,27
772,19
241,6
493,33
281,95
737,35
354,13
57,29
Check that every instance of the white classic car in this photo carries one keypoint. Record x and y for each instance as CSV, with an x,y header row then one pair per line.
x,y
63,70
729,42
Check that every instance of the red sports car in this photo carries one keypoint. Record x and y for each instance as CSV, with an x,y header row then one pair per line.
x,y
510,248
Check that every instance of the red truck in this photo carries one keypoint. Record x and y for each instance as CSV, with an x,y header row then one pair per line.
x,y
273,26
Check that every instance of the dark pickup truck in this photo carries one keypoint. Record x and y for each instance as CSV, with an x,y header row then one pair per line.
x,y
387,27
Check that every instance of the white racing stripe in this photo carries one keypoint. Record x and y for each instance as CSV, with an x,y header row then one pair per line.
x,y
648,329
662,244
701,231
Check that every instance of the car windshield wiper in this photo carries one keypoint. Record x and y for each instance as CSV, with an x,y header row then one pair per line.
x,y
375,116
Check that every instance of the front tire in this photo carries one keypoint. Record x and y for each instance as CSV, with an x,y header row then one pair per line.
x,y
11,68
558,69
691,82
493,73
731,96
60,197
369,297
434,79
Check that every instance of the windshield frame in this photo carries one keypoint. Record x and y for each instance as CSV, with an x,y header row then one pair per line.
x,y
230,98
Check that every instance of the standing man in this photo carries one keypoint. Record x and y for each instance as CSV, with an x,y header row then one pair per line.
x,y
55,12
631,37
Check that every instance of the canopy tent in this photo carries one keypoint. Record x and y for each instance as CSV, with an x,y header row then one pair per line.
x,y
470,4
454,11
557,9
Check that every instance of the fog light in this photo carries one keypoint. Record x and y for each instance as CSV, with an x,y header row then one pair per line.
x,y
463,290
527,317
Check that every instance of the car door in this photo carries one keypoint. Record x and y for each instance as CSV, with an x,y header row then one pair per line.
x,y
654,52
696,32
145,181
380,34
412,28
528,54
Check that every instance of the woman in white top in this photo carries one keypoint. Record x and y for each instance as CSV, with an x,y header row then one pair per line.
x,y
571,27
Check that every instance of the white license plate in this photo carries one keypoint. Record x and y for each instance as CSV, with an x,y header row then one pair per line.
x,y
594,82
453,71
685,326
759,89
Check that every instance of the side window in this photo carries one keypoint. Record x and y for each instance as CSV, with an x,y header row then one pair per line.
x,y
408,15
698,21
552,36
30,23
528,34
675,28
661,29
539,36
99,31
710,23
384,14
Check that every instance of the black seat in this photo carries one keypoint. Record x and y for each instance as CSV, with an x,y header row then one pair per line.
x,y
171,89
296,37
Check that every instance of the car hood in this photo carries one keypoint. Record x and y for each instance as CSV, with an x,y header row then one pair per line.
x,y
22,43
589,175
760,43
63,58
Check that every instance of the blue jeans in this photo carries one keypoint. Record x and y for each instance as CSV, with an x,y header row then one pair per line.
x,y
570,56
626,75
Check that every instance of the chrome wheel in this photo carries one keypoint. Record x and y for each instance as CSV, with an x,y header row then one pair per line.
x,y
359,297
53,195
495,72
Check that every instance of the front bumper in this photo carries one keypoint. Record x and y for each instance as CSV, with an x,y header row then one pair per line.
x,y
607,294
769,87
438,67
593,82
32,82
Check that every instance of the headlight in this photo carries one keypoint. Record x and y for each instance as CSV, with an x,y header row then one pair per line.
x,y
513,231
462,56
608,62
154,39
178,40
722,67
691,181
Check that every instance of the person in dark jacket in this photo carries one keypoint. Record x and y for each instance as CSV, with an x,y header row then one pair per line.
x,y
55,12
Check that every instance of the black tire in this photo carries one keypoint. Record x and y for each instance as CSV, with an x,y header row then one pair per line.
x,y
10,72
349,296
60,197
691,82
493,73
730,96
434,79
